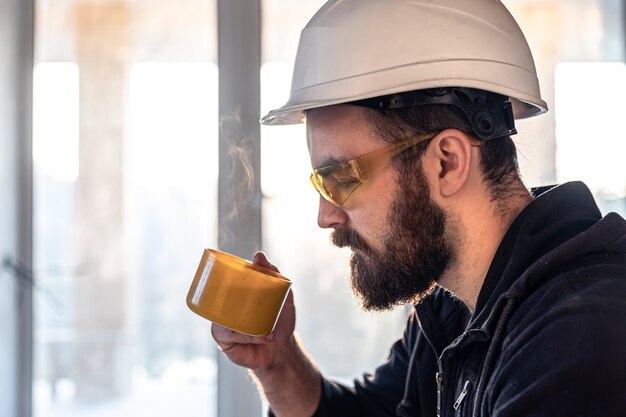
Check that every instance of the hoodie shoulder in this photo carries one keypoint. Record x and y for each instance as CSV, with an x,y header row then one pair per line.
x,y
565,346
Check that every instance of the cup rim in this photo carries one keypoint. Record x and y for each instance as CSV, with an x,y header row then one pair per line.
x,y
227,257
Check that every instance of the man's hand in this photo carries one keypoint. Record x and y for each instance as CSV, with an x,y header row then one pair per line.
x,y
290,380
259,353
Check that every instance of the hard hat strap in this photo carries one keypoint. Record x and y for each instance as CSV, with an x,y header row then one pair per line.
x,y
489,114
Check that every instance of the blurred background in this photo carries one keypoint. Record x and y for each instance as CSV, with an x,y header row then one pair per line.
x,y
123,127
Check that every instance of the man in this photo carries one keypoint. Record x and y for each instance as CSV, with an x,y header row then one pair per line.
x,y
520,297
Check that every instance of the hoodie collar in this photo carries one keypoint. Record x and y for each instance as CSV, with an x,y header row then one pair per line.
x,y
556,215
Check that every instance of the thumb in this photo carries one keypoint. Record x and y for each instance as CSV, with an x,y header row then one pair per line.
x,y
260,259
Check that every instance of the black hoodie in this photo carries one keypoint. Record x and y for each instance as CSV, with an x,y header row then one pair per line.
x,y
548,337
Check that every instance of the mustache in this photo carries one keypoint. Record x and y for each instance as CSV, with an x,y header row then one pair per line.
x,y
348,238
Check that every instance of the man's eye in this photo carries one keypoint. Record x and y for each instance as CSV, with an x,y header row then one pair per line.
x,y
346,185
345,182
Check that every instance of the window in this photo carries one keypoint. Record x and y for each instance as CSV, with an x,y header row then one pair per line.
x,y
589,147
125,151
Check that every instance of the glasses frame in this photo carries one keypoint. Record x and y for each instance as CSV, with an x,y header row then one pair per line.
x,y
363,167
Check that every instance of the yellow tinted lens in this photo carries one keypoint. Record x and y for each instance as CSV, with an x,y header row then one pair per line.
x,y
318,184
336,182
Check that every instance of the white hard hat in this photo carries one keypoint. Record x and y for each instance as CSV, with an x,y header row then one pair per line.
x,y
357,49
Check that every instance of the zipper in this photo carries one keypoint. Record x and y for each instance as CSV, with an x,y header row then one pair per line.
x,y
439,378
439,375
462,396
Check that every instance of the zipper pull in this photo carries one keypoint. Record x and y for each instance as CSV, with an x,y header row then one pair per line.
x,y
439,378
462,396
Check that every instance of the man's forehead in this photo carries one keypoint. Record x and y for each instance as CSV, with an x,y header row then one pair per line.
x,y
338,133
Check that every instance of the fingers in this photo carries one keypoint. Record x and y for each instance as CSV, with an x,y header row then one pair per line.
x,y
261,259
224,337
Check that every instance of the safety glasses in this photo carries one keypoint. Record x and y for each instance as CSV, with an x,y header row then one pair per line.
x,y
337,182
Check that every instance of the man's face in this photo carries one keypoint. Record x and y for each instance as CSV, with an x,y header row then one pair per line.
x,y
395,231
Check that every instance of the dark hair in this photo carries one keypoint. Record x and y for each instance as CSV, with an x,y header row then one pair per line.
x,y
498,157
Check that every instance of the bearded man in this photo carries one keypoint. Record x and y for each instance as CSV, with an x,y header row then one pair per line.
x,y
519,296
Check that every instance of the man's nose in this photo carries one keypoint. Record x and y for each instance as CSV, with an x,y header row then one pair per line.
x,y
330,216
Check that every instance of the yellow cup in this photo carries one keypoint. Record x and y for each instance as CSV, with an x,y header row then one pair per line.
x,y
237,294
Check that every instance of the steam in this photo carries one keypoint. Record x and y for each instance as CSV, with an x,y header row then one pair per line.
x,y
240,171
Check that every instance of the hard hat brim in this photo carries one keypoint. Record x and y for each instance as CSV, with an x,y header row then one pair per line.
x,y
322,95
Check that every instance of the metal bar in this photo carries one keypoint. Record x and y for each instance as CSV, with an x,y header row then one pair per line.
x,y
24,100
239,210
9,208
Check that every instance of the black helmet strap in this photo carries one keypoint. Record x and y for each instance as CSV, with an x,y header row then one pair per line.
x,y
490,114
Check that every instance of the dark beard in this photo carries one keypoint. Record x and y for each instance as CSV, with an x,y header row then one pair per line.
x,y
415,253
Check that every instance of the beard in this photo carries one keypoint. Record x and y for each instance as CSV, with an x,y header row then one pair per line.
x,y
415,252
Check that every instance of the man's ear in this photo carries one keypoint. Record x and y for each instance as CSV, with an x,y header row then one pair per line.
x,y
449,157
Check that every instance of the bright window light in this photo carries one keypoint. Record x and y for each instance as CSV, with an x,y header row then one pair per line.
x,y
55,120
589,104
